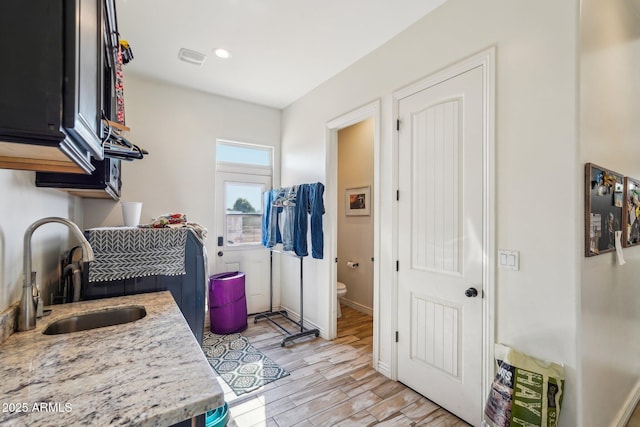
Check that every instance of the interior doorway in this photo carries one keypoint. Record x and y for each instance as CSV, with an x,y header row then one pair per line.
x,y
366,188
355,217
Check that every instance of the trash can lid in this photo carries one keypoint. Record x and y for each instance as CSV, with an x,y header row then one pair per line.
x,y
228,275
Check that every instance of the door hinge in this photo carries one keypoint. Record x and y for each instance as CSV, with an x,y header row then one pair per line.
x,y
397,265
336,260
398,195
397,124
397,336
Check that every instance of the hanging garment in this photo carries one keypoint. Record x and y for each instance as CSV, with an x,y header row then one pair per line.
x,y
301,220
286,218
289,229
270,231
266,202
309,200
316,209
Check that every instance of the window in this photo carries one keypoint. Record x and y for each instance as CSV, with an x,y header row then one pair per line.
x,y
243,154
243,213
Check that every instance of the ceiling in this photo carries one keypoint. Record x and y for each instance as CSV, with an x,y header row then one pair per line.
x,y
280,49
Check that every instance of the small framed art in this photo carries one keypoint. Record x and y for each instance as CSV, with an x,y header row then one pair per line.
x,y
358,201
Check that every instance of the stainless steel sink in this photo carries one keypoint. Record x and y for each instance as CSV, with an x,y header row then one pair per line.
x,y
96,319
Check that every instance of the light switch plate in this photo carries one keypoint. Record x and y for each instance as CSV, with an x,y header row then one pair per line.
x,y
508,260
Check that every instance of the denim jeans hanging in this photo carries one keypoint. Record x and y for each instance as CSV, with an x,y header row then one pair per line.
x,y
316,209
288,224
288,219
270,230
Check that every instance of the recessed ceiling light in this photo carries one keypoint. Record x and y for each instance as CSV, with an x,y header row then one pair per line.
x,y
191,56
222,53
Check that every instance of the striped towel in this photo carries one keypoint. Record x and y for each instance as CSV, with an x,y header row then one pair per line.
x,y
127,252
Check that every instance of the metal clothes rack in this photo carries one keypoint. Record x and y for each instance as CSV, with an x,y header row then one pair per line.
x,y
290,336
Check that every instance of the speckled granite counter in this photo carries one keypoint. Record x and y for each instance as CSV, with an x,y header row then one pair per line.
x,y
150,372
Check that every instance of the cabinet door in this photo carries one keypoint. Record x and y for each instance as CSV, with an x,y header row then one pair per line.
x,y
111,44
83,53
31,83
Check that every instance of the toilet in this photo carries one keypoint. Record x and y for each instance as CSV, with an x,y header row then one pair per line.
x,y
341,291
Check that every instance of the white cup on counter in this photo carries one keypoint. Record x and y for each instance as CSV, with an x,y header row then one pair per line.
x,y
131,213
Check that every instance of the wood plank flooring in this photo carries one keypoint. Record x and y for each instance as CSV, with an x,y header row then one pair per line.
x,y
634,420
332,383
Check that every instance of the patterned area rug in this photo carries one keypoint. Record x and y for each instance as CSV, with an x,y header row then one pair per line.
x,y
241,365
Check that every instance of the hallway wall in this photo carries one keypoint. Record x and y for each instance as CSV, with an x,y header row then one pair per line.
x,y
609,135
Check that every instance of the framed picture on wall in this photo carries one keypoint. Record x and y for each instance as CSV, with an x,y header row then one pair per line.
x,y
604,200
631,213
358,201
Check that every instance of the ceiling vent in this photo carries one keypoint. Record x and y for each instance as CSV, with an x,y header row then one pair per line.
x,y
191,56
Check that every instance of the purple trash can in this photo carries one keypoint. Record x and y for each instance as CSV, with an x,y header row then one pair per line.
x,y
227,303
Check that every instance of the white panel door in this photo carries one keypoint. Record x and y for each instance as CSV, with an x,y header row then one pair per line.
x,y
440,243
239,207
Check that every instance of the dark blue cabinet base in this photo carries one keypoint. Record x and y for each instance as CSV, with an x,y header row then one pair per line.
x,y
188,290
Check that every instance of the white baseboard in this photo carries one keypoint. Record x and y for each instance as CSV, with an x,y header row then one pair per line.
x,y
624,414
384,369
357,306
296,316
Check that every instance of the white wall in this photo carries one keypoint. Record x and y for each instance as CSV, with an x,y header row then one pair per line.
x,y
609,135
355,242
22,204
536,149
179,128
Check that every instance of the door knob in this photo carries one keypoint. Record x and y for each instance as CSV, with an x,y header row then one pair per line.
x,y
220,253
471,292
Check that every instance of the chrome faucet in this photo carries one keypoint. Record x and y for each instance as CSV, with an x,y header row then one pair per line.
x,y
27,310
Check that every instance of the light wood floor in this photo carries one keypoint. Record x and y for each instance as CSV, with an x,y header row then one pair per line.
x,y
331,383
634,421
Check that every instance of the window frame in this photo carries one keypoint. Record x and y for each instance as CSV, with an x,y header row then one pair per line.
x,y
260,172
245,168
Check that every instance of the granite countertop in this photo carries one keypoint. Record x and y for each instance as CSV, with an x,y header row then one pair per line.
x,y
150,372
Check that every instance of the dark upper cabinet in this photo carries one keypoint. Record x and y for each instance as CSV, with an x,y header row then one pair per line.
x,y
103,183
52,83
31,84
82,97
82,79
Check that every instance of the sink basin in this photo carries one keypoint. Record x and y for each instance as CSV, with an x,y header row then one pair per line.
x,y
96,319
